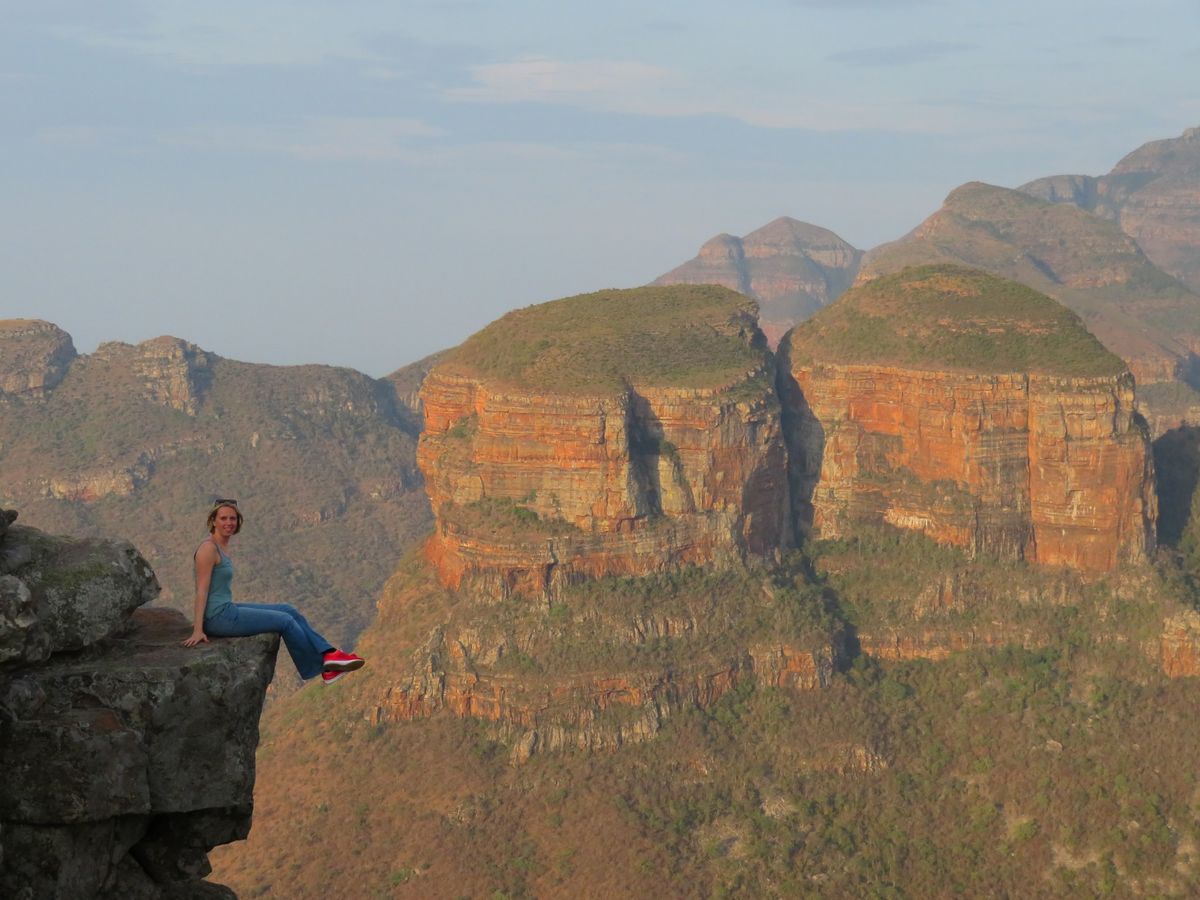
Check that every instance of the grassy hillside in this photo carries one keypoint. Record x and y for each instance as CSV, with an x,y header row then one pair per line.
x,y
952,318
319,458
679,336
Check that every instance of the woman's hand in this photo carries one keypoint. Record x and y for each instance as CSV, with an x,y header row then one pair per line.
x,y
198,637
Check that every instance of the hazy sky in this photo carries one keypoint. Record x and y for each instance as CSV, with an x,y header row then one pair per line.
x,y
363,182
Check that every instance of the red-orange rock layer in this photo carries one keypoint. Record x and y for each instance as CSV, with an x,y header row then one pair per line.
x,y
1047,469
1179,646
939,643
625,484
571,711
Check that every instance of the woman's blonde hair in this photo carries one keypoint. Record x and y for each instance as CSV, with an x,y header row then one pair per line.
x,y
212,516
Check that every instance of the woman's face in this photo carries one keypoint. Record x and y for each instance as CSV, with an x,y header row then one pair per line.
x,y
226,521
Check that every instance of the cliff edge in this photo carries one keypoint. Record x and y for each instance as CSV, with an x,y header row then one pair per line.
x,y
127,757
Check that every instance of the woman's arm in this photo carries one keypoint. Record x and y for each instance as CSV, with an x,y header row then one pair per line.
x,y
206,558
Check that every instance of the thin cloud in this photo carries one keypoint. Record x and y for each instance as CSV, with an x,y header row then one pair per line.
x,y
74,136
909,54
858,4
363,139
542,80
641,89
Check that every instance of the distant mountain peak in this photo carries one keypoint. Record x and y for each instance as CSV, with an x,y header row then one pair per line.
x,y
1153,194
792,268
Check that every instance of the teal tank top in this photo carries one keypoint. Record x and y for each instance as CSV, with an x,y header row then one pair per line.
x,y
220,587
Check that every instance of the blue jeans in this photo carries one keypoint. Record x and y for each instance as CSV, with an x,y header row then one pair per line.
x,y
306,647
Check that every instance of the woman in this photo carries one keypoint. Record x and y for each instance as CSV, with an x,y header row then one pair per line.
x,y
216,614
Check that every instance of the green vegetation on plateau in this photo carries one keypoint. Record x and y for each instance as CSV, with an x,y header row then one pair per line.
x,y
952,318
688,336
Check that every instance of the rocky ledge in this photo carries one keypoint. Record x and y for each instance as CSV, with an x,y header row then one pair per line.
x,y
127,757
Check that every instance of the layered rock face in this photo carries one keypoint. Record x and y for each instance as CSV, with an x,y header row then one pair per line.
x,y
604,665
1050,467
34,357
791,268
127,757
534,487
177,373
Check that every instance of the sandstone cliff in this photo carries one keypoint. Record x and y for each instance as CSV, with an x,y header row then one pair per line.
x,y
126,756
605,665
638,431
600,468
955,404
791,268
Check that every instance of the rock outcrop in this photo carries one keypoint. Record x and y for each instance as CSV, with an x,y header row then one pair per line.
x,y
791,268
537,481
603,666
1179,645
34,357
127,757
176,373
977,412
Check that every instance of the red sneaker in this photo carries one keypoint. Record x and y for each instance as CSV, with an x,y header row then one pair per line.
x,y
331,677
337,661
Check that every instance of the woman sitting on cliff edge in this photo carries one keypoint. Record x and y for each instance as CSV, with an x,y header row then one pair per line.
x,y
217,615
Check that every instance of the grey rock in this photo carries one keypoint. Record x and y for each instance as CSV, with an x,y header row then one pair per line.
x,y
127,759
61,594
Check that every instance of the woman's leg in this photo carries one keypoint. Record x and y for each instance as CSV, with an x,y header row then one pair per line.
x,y
318,641
306,647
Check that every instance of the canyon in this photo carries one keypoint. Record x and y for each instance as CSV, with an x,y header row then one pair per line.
x,y
682,605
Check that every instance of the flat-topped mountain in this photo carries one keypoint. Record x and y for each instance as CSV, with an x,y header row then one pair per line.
x,y
1153,194
974,410
1143,315
600,343
952,319
791,268
622,432
139,439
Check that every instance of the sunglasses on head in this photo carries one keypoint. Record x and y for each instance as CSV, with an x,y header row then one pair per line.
x,y
225,502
